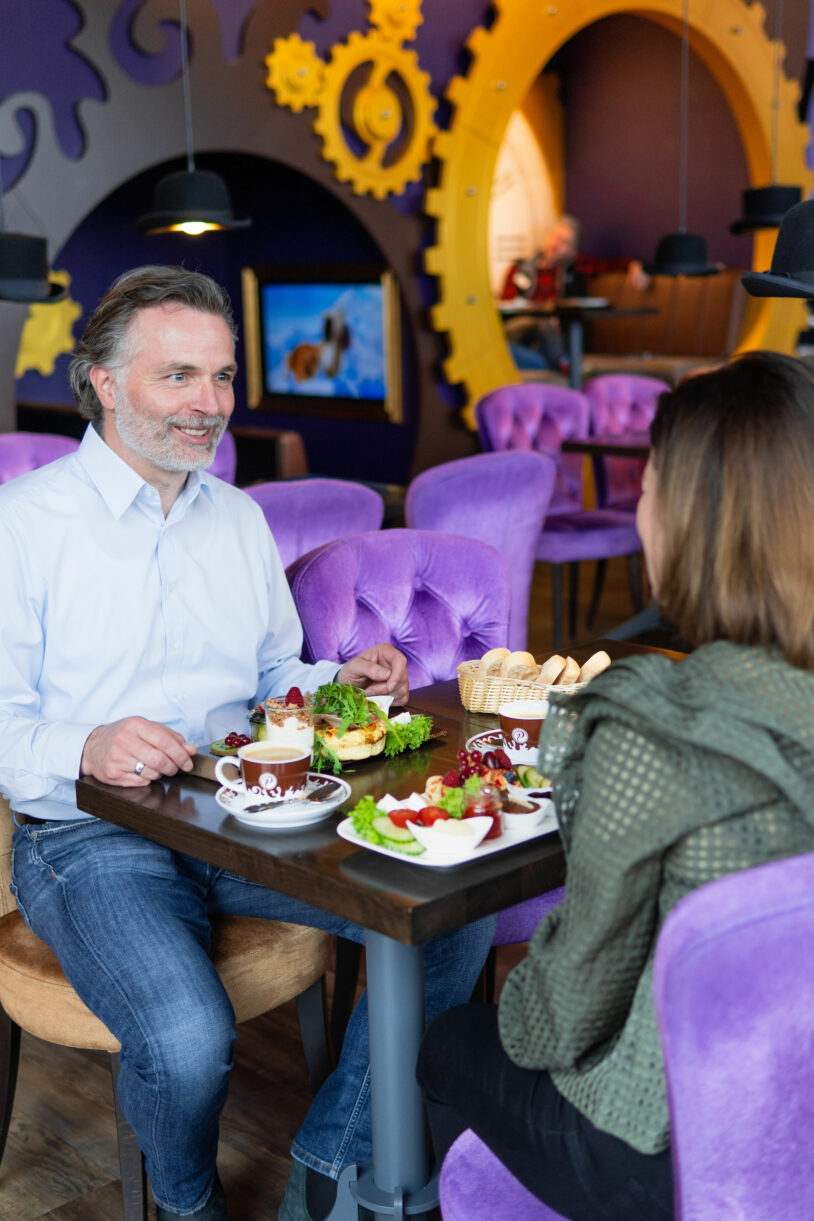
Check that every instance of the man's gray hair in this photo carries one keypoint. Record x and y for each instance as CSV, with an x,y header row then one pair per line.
x,y
104,341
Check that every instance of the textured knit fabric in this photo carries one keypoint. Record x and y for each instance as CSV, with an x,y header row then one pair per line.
x,y
666,776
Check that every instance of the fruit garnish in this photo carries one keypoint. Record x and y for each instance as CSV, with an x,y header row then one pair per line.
x,y
294,697
451,779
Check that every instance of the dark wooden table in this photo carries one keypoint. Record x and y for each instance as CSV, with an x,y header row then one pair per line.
x,y
621,445
400,905
572,313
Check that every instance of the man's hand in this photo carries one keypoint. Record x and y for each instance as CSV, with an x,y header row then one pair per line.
x,y
381,670
111,752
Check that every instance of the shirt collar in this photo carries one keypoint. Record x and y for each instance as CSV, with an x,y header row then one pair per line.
x,y
116,481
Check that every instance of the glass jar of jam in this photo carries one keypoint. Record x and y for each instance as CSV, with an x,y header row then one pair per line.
x,y
486,801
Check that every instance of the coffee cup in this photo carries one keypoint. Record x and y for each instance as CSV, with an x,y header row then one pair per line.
x,y
520,724
267,771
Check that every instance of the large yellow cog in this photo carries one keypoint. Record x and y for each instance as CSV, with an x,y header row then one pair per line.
x,y
47,332
377,143
398,19
295,72
505,61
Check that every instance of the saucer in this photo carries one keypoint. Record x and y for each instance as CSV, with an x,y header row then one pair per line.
x,y
492,739
288,815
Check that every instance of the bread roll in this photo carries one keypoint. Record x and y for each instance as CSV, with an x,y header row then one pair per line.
x,y
491,661
551,670
570,673
594,665
519,666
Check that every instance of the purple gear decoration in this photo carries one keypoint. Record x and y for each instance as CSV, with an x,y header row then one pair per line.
x,y
40,59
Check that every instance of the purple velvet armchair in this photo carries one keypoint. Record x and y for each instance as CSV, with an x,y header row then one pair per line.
x,y
440,598
21,452
621,403
500,498
734,995
475,1186
225,462
533,416
305,513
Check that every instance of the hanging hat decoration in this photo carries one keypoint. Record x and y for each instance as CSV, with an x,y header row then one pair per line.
x,y
792,270
190,201
24,267
765,207
682,253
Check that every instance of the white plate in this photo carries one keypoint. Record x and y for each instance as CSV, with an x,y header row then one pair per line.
x,y
435,860
285,817
454,848
492,739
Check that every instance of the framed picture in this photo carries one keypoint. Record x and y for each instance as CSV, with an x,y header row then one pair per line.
x,y
324,340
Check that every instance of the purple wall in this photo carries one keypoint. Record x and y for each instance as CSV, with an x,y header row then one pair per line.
x,y
621,81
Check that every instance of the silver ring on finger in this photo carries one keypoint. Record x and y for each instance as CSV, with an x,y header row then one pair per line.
x,y
139,768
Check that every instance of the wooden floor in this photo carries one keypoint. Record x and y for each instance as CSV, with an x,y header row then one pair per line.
x,y
61,1160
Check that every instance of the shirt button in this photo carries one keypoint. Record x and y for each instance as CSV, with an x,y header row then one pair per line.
x,y
174,646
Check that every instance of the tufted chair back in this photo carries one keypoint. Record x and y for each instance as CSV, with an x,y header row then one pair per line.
x,y
501,498
621,403
733,986
225,461
538,417
440,598
21,452
305,513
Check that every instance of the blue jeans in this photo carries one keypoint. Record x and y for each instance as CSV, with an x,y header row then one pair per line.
x,y
129,921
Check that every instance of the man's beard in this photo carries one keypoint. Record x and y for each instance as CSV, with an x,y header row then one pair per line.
x,y
159,444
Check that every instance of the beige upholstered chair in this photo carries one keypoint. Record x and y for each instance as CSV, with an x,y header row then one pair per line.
x,y
263,964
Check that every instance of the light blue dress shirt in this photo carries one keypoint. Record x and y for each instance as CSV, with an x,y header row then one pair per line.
x,y
110,610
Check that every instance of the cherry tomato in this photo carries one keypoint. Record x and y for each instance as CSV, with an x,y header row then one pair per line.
x,y
431,814
402,816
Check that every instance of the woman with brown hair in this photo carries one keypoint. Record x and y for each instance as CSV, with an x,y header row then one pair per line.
x,y
666,776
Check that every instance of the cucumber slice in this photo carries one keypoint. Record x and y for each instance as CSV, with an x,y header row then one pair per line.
x,y
389,831
413,848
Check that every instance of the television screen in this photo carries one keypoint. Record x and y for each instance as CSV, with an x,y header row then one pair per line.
x,y
323,339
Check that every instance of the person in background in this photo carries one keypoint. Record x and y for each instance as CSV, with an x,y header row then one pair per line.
x,y
555,272
145,609
666,776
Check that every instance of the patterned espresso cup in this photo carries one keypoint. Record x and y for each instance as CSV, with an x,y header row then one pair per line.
x,y
520,723
267,771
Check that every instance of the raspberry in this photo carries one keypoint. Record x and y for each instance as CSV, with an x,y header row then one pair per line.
x,y
503,759
294,697
452,780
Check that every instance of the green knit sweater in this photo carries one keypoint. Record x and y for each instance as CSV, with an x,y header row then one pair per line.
x,y
666,776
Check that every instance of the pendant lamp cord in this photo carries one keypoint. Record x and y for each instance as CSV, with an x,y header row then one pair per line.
x,y
684,120
778,33
185,77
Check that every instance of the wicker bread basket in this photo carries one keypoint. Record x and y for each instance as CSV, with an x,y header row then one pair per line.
x,y
479,694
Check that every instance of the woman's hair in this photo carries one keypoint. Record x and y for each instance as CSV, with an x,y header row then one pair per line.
x,y
105,338
733,451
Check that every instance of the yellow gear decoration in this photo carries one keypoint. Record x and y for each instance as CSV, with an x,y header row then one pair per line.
x,y
372,110
295,72
47,332
398,19
505,60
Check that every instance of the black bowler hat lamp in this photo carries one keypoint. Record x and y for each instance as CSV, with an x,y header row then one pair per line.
x,y
682,253
190,201
24,267
765,207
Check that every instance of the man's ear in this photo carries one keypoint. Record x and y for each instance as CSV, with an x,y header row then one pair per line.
x,y
104,383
